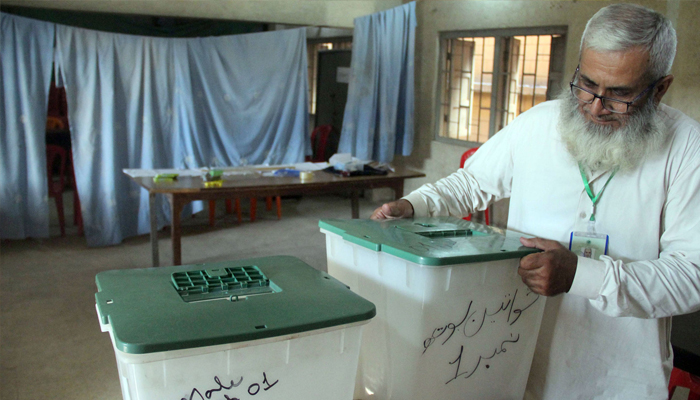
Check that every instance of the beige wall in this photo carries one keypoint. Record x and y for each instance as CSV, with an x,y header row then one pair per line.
x,y
434,158
437,159
337,13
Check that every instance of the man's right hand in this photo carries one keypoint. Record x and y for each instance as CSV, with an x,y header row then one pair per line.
x,y
396,209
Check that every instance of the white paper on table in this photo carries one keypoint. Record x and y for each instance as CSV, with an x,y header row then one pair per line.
x,y
237,172
145,173
340,158
309,166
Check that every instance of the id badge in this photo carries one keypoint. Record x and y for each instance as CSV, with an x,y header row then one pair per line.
x,y
589,244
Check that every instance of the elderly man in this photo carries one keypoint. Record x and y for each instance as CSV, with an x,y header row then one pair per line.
x,y
608,168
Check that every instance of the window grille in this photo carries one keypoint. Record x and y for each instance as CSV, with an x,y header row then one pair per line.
x,y
486,80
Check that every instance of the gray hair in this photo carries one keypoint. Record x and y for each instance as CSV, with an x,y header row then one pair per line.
x,y
626,26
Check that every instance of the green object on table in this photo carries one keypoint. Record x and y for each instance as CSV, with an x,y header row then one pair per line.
x,y
148,312
165,177
214,175
436,241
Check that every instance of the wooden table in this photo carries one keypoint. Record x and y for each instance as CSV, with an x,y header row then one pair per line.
x,y
189,188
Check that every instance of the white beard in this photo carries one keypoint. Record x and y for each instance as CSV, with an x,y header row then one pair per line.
x,y
600,148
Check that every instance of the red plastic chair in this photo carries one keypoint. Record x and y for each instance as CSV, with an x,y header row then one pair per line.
x,y
466,155
268,206
319,141
680,378
57,184
324,142
253,208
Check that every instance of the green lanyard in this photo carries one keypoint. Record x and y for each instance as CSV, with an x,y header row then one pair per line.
x,y
594,199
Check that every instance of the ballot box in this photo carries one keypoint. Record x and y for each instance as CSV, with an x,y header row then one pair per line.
x,y
267,328
454,319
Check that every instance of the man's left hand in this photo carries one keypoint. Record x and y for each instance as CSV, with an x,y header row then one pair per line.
x,y
550,272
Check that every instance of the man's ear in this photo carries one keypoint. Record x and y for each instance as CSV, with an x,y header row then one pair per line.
x,y
661,88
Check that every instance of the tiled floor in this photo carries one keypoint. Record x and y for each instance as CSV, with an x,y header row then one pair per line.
x,y
51,346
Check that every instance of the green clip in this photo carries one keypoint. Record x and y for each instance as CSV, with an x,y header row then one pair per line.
x,y
165,177
214,175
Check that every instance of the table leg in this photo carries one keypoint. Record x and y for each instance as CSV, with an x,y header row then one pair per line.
x,y
253,208
238,209
398,189
212,212
176,206
355,203
278,199
153,213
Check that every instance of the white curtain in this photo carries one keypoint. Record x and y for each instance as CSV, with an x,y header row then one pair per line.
x,y
25,66
138,102
378,121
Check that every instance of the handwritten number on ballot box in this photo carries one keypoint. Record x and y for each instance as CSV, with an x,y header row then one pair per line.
x,y
472,323
253,389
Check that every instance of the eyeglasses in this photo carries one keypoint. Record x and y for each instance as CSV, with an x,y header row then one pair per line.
x,y
613,105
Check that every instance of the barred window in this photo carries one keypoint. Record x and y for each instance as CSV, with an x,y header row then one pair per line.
x,y
489,78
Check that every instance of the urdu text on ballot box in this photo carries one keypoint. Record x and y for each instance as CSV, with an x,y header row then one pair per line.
x,y
270,328
454,320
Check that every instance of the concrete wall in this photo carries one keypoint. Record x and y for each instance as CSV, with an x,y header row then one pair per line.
x,y
437,159
337,13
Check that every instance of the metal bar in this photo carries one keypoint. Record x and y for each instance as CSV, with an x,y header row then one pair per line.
x,y
534,82
448,87
495,83
541,30
459,103
522,81
481,89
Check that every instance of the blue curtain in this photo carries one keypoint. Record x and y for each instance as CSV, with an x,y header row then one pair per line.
x,y
378,121
25,66
120,112
137,102
242,99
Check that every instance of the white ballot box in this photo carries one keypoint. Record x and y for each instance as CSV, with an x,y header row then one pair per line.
x,y
454,320
270,328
